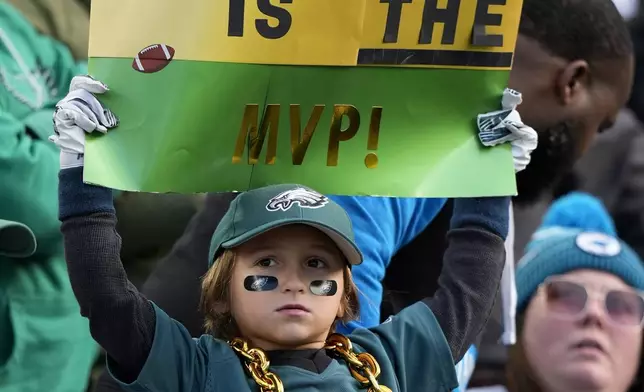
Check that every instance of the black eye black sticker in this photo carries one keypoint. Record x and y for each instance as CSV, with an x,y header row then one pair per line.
x,y
324,288
260,283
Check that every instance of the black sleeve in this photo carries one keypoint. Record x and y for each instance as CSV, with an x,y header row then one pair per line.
x,y
472,268
174,283
121,320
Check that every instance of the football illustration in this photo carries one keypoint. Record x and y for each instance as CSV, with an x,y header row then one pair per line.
x,y
153,58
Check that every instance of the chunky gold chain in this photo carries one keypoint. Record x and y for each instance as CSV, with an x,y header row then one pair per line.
x,y
257,365
363,366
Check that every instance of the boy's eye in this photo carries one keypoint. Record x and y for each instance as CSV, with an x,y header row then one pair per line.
x,y
315,263
266,262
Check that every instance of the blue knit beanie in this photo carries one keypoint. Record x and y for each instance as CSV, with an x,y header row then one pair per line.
x,y
576,233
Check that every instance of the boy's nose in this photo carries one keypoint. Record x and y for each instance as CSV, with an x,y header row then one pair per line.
x,y
293,282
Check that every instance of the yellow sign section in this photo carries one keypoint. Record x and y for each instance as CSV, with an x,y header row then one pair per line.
x,y
432,33
325,34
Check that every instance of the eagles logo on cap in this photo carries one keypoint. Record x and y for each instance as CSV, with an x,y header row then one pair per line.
x,y
305,198
259,210
598,244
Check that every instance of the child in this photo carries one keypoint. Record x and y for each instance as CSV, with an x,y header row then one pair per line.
x,y
279,283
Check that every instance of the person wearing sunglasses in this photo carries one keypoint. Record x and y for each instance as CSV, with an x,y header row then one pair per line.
x,y
580,305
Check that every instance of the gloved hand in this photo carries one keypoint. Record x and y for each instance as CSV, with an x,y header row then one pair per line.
x,y
80,112
505,125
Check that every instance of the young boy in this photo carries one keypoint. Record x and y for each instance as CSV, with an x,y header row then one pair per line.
x,y
280,283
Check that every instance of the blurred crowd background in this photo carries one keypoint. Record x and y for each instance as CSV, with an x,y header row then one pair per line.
x,y
152,224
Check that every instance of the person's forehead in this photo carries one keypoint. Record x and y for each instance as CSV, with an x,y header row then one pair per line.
x,y
290,235
596,279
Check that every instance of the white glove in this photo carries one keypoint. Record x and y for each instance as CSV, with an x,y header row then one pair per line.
x,y
506,126
80,112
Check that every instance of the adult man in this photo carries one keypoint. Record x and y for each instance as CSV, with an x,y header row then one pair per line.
x,y
565,66
574,65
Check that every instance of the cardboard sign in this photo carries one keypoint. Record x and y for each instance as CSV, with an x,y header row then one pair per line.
x,y
370,97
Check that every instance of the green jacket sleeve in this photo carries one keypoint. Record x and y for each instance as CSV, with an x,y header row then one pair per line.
x,y
29,178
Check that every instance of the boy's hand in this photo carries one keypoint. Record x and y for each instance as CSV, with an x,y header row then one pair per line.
x,y
80,112
506,126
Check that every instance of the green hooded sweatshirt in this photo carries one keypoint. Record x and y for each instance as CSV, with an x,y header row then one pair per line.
x,y
45,344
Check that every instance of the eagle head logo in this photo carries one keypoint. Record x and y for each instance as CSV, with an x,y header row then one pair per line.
x,y
305,198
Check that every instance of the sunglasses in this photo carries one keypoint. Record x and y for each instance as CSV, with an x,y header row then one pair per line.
x,y
570,299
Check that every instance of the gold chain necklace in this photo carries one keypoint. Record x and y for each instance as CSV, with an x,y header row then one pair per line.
x,y
363,366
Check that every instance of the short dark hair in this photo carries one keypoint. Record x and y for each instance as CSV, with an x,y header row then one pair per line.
x,y
591,30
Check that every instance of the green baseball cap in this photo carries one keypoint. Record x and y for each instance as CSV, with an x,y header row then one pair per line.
x,y
259,210
16,239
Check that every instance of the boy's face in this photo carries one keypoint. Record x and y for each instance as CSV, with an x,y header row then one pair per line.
x,y
287,287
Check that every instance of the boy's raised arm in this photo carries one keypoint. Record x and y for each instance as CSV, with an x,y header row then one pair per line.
x,y
472,267
147,350
121,320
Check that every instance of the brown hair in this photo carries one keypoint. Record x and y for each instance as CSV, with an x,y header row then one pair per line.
x,y
215,298
521,378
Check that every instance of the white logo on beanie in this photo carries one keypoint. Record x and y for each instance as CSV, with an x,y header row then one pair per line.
x,y
598,244
305,198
